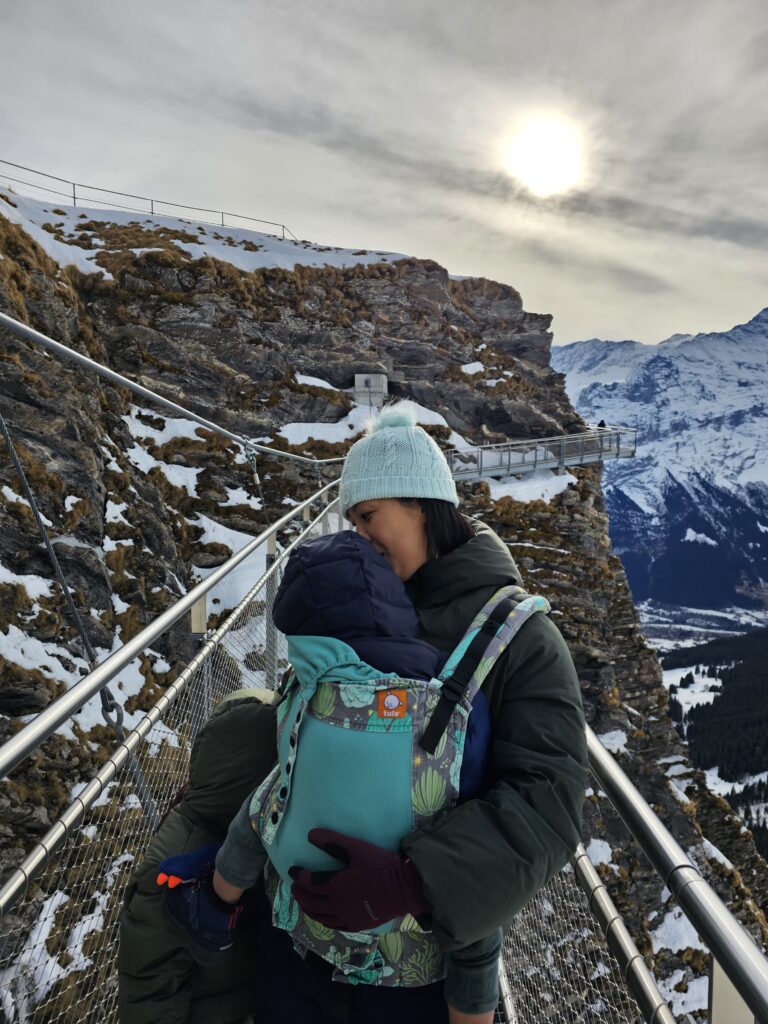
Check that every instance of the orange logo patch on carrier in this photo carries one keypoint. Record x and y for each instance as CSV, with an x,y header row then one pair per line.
x,y
393,703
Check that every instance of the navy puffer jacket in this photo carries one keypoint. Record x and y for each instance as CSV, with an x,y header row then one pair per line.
x,y
340,586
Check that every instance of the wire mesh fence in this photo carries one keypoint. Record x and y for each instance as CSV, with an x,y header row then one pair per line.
x,y
558,966
58,943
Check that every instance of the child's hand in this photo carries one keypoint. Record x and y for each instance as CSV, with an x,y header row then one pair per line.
x,y
194,907
182,868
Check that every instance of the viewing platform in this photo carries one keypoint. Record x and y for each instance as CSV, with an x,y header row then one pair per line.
x,y
515,458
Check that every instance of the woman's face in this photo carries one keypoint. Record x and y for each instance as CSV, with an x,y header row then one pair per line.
x,y
395,530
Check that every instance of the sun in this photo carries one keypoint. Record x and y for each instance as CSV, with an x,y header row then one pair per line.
x,y
546,156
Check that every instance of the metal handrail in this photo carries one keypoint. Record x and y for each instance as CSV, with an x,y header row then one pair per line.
x,y
30,334
639,979
129,195
48,721
41,853
532,442
728,940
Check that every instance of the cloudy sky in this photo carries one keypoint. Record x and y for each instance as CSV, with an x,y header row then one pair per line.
x,y
407,125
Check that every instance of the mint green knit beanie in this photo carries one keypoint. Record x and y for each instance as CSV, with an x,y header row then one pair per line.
x,y
395,459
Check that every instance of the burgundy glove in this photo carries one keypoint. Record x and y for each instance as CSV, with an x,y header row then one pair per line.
x,y
374,887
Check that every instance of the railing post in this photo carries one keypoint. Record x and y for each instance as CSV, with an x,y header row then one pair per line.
x,y
74,194
325,526
151,205
270,667
725,1003
222,218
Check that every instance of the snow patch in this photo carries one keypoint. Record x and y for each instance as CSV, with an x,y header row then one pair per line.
x,y
695,998
698,538
315,382
239,496
615,741
675,932
541,486
180,476
35,586
114,512
599,852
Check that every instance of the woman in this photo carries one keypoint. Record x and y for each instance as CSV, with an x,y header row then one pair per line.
x,y
469,872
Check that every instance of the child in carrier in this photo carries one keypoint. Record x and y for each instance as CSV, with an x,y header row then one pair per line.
x,y
348,619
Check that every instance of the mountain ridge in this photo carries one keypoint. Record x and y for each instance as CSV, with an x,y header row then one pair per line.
x,y
700,406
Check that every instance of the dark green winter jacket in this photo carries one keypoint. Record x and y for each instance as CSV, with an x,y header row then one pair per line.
x,y
482,861
158,981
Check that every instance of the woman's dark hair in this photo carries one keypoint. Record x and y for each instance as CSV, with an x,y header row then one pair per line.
x,y
446,527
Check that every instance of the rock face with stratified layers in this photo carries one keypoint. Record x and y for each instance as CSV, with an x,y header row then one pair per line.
x,y
129,498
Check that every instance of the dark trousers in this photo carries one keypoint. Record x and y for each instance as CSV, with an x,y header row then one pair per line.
x,y
289,990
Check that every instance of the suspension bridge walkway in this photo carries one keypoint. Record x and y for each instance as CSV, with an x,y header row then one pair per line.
x,y
568,957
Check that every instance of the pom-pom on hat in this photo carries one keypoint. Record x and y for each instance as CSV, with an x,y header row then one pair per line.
x,y
395,459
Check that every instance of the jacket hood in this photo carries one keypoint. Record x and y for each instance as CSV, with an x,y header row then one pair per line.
x,y
340,586
450,590
483,561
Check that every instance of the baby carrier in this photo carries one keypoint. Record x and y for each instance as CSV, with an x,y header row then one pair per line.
x,y
376,756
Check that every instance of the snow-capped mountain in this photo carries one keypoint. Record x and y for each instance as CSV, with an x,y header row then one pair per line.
x,y
689,514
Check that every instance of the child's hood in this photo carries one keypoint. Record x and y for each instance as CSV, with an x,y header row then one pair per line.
x,y
340,586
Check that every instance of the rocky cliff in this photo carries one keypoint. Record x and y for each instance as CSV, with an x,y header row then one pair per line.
x,y
138,506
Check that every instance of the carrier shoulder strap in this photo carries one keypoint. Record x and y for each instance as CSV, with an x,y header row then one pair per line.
x,y
487,638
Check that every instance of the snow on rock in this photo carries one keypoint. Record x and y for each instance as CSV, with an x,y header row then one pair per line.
x,y
315,382
17,498
180,476
231,590
678,793
712,851
353,423
473,368
599,852
112,545
114,512
240,247
35,586
48,658
540,486
696,996
239,496
675,933
698,538
615,741
174,427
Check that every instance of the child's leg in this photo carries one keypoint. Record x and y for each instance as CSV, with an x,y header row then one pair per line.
x,y
472,981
